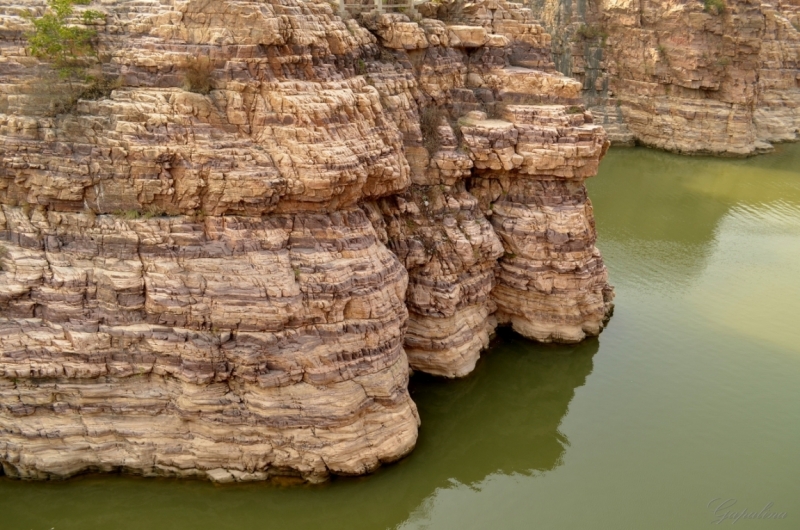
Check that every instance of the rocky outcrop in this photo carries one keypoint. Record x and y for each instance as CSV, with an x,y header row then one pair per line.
x,y
482,59
777,112
683,75
177,347
189,286
552,285
225,266
449,249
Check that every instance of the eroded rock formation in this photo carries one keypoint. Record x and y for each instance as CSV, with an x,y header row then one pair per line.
x,y
232,282
552,284
488,56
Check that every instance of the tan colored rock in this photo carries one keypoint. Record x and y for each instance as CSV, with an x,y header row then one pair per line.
x,y
435,31
777,115
156,146
443,337
260,334
466,36
396,31
283,162
552,285
681,77
512,24
233,285
519,80
449,249
184,327
497,41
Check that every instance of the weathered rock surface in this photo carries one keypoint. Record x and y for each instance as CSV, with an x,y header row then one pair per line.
x,y
490,55
233,284
250,323
682,76
777,112
449,250
552,285
170,346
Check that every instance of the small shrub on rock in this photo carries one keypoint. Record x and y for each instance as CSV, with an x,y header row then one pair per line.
x,y
429,121
68,47
714,7
197,77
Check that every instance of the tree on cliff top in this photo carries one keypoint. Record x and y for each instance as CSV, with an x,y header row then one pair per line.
x,y
66,46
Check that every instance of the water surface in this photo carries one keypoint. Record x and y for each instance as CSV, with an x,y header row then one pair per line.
x,y
690,395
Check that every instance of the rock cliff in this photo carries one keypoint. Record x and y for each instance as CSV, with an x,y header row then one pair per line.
x,y
224,266
691,76
551,283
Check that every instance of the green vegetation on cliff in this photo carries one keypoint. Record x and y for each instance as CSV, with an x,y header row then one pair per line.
x,y
54,39
714,6
68,44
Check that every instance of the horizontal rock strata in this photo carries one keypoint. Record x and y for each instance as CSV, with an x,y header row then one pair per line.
x,y
171,346
449,249
225,265
488,56
188,285
552,285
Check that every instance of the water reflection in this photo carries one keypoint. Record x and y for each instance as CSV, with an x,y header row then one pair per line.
x,y
505,417
503,420
659,215
652,195
659,206
690,388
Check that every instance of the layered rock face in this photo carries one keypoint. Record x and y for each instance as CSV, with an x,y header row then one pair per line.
x,y
552,285
684,75
449,249
227,348
777,112
249,322
478,60
224,268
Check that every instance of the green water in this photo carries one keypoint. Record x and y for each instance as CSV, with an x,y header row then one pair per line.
x,y
690,395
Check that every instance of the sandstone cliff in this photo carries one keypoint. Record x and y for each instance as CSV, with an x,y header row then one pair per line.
x,y
231,283
690,76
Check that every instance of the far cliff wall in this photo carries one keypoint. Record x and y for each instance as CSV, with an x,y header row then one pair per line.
x,y
675,75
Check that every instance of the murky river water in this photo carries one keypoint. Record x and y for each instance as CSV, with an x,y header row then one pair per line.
x,y
685,409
